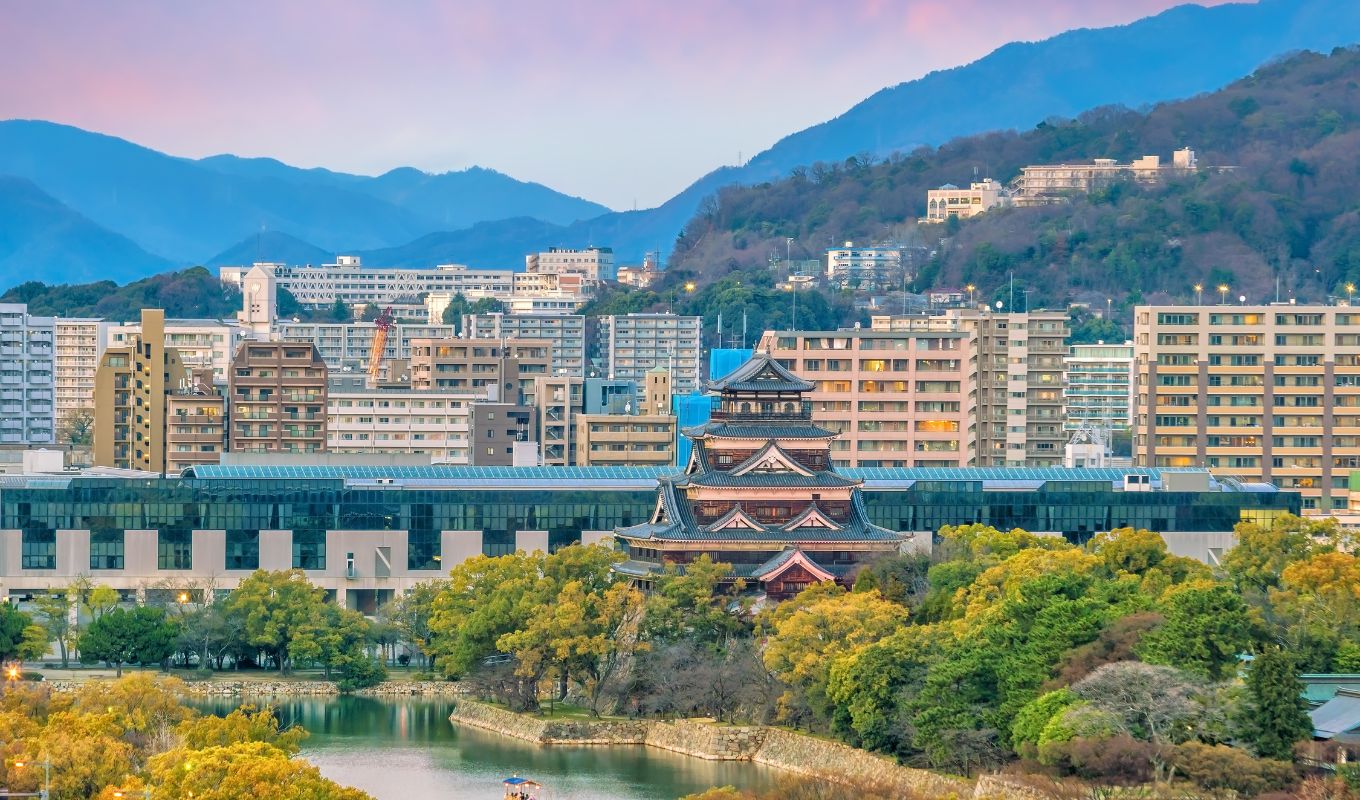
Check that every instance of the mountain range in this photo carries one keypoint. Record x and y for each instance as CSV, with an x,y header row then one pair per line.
x,y
89,199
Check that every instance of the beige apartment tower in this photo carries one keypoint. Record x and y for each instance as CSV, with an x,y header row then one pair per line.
x,y
277,392
646,438
501,370
195,424
131,387
898,398
1256,393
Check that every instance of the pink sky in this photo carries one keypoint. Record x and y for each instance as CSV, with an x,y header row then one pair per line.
x,y
619,101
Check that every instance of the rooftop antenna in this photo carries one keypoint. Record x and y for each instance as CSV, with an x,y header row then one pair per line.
x,y
720,329
743,330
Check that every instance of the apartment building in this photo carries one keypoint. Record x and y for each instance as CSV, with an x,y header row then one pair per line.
x,y
1019,403
871,267
201,343
131,388
392,419
593,263
1098,386
898,398
566,332
1253,392
350,344
195,424
501,370
557,401
628,345
27,362
643,435
80,341
1038,184
277,393
502,435
348,280
951,201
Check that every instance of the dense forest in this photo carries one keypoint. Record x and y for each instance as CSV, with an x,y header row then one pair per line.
x,y
1288,211
190,293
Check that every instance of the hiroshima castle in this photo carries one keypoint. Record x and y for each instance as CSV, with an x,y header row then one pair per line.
x,y
759,493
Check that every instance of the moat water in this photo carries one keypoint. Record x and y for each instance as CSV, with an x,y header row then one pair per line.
x,y
406,749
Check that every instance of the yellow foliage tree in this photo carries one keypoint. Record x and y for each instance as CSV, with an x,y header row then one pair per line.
x,y
243,769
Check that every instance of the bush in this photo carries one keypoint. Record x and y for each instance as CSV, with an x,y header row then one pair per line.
x,y
1218,767
1120,760
359,671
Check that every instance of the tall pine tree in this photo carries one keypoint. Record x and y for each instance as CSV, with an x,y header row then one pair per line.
x,y
1274,716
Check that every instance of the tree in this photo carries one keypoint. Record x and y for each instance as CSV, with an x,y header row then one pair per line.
x,y
54,612
76,428
334,637
370,313
287,303
245,724
902,579
454,311
13,624
241,769
694,604
1153,703
1262,552
341,312
485,599
411,612
809,631
274,607
140,636
1274,716
1207,625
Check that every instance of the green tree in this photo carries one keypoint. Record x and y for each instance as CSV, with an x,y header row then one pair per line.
x,y
141,636
485,599
454,311
1207,625
76,428
1264,551
411,612
1274,715
273,608
694,604
54,613
245,724
13,624
370,313
334,637
341,312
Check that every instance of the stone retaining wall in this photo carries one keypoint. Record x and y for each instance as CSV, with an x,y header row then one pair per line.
x,y
839,763
706,739
293,688
774,747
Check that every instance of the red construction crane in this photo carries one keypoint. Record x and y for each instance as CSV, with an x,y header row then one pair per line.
x,y
384,324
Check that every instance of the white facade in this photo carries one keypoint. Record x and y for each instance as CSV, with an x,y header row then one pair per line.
x,y
259,300
202,343
356,285
868,267
408,421
951,201
1098,386
79,344
595,263
567,332
27,350
631,344
350,344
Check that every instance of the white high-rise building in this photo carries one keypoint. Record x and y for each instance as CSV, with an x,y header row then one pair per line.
x,y
1098,386
27,343
201,343
259,300
80,341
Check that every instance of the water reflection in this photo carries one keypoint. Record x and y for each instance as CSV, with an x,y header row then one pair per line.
x,y
406,749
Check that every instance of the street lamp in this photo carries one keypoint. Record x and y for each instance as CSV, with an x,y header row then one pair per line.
x,y
689,286
1199,294
1223,294
47,775
971,288
1350,292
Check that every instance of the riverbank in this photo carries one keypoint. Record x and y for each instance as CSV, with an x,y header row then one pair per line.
x,y
773,747
263,686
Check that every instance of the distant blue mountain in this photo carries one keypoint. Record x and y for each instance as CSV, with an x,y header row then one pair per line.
x,y
42,239
274,247
189,211
1182,52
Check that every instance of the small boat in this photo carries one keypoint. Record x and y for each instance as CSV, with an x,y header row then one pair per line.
x,y
517,788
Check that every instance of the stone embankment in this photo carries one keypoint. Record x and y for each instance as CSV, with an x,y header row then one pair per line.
x,y
262,688
773,747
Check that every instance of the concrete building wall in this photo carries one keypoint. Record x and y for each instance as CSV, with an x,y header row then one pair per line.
x,y
79,344
27,368
277,393
898,398
1252,392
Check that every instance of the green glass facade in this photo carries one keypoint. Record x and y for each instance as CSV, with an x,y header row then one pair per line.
x,y
247,509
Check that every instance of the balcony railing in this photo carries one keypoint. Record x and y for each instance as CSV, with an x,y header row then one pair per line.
x,y
799,411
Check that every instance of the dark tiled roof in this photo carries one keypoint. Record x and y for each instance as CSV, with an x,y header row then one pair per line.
x,y
761,373
820,480
756,430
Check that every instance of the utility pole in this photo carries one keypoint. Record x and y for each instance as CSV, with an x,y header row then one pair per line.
x,y
1011,305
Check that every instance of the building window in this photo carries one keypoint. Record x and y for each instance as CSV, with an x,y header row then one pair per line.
x,y
39,549
243,550
174,549
309,549
106,549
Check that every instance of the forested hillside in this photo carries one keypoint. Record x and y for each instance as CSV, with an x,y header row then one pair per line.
x,y
1289,210
191,293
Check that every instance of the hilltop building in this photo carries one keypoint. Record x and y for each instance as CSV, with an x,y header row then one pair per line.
x,y
759,493
1040,184
872,267
951,201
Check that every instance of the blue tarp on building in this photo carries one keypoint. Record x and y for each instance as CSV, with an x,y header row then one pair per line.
x,y
722,360
690,410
